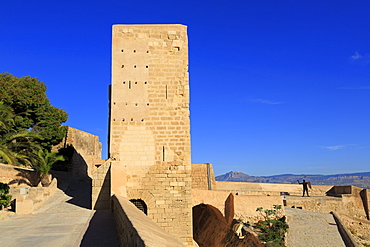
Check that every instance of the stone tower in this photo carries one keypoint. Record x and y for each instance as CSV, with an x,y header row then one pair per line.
x,y
149,140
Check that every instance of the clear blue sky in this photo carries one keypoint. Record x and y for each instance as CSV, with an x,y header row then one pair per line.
x,y
276,86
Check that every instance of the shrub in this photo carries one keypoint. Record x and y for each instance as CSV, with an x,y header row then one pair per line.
x,y
4,197
273,227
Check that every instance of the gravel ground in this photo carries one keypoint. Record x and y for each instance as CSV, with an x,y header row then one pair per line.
x,y
312,229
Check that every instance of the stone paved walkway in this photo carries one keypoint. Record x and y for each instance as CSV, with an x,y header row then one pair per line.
x,y
64,220
312,229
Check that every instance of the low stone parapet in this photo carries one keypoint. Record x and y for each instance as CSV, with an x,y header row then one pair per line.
x,y
344,232
244,205
134,228
248,188
28,199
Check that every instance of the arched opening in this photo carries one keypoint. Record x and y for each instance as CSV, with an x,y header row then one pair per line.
x,y
140,204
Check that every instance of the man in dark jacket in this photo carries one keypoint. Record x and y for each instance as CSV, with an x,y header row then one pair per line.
x,y
305,186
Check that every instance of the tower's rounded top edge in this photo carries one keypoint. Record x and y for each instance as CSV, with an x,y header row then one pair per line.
x,y
143,25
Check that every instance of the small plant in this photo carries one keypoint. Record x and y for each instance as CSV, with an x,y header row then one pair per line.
x,y
44,163
273,227
4,195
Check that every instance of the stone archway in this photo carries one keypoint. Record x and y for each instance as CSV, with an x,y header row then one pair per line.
x,y
140,204
144,196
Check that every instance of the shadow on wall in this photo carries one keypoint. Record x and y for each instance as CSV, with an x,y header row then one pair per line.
x,y
30,178
104,197
75,182
365,200
77,187
74,163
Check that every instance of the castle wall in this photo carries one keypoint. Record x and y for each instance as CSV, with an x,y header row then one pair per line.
x,y
203,177
18,176
87,151
101,187
246,188
135,229
244,206
149,140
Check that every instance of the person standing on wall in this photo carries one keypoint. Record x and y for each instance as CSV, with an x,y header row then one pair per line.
x,y
305,186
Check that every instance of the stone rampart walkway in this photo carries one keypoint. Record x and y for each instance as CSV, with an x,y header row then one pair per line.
x,y
312,229
64,220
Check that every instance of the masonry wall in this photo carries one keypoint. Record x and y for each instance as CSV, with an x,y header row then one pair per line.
x,y
246,188
347,204
18,176
101,186
203,177
244,206
28,199
135,229
149,122
87,151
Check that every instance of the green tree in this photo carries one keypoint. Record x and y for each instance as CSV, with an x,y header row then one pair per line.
x,y
32,109
6,118
4,195
16,147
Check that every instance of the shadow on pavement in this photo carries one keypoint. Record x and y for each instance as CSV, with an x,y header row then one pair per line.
x,y
101,230
79,188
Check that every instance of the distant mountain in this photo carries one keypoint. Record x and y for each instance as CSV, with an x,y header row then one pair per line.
x,y
360,179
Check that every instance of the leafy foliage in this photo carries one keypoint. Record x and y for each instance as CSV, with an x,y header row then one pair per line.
x,y
5,198
16,147
32,109
6,118
46,160
273,227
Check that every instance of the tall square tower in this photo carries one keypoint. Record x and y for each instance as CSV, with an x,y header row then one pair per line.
x,y
149,140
